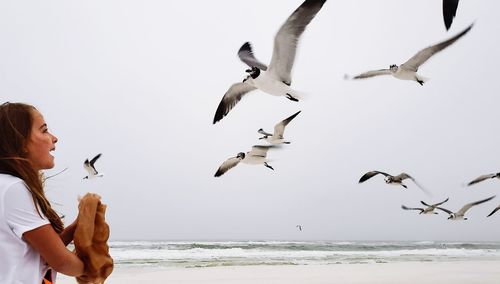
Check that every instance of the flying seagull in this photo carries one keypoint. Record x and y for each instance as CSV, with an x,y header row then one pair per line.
x,y
279,130
408,70
390,179
494,210
256,156
483,177
89,166
459,215
275,79
428,210
449,12
299,227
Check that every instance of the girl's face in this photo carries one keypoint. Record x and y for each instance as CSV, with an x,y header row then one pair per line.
x,y
41,143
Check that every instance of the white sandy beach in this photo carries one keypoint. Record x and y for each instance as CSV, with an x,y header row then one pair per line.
x,y
460,272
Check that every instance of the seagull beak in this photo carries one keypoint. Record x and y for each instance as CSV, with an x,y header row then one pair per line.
x,y
248,70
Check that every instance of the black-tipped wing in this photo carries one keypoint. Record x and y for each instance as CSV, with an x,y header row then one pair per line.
x,y
372,73
481,178
440,203
231,98
92,162
409,208
89,168
445,210
227,165
371,174
246,55
422,56
494,210
279,128
469,205
449,12
286,40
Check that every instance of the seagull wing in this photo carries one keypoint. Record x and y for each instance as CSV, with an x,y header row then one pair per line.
x,y
246,55
259,150
408,208
445,210
425,203
494,210
440,203
422,56
404,176
449,12
373,73
469,205
227,165
371,174
286,40
231,98
90,169
279,128
481,178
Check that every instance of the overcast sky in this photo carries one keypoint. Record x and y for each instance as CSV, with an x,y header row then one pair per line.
x,y
139,81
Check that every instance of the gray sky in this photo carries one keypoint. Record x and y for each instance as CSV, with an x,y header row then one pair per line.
x,y
140,82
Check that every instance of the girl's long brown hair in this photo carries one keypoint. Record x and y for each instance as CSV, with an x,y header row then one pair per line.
x,y
16,121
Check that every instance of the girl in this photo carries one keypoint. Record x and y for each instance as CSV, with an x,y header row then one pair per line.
x,y
32,235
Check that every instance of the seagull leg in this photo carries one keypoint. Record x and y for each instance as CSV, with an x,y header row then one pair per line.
x,y
420,81
288,96
265,164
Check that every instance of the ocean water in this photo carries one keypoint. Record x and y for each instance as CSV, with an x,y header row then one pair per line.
x,y
231,253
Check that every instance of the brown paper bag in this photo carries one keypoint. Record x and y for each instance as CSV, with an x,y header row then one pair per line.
x,y
90,239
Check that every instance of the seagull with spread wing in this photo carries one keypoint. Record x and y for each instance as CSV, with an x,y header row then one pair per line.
x,y
279,129
459,215
257,156
89,166
390,179
275,79
408,70
428,210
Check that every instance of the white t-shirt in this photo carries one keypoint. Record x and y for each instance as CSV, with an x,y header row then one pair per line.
x,y
19,262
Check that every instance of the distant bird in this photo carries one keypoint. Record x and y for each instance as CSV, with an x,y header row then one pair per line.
x,y
390,179
494,210
279,130
299,227
276,79
89,166
256,156
449,12
428,210
408,70
459,215
484,177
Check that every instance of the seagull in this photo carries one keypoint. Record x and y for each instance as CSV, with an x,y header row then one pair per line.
x,y
459,215
484,177
428,210
494,210
389,179
408,70
299,227
275,79
89,166
279,129
449,12
256,156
